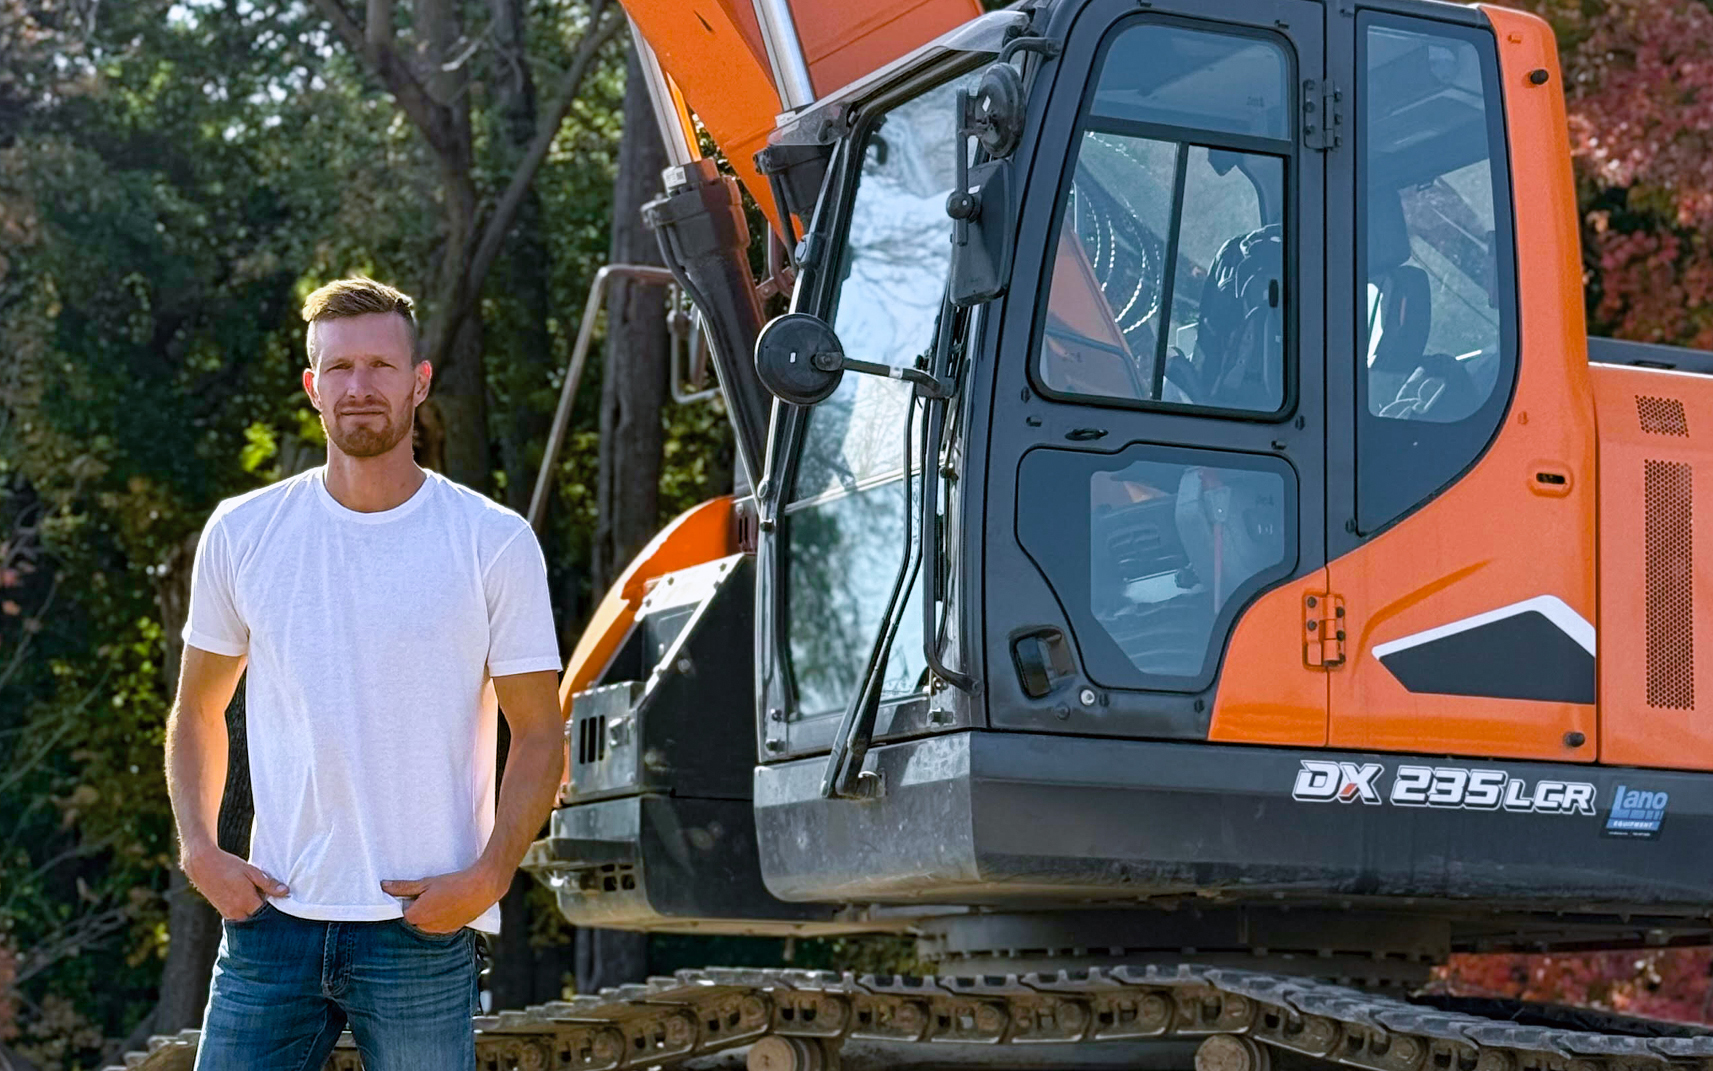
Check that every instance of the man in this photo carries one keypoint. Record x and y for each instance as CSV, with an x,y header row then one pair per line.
x,y
381,610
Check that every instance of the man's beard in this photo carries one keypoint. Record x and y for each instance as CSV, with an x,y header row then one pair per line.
x,y
362,441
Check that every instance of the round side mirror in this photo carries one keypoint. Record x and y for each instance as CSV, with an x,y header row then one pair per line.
x,y
799,359
999,104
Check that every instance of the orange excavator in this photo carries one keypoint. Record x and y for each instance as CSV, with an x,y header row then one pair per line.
x,y
1191,569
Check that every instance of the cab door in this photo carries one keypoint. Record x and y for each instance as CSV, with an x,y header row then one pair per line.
x,y
1462,494
1156,445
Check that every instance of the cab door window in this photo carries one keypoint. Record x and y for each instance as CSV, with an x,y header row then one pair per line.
x,y
1168,280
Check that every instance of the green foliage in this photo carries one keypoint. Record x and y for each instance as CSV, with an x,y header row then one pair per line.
x,y
174,178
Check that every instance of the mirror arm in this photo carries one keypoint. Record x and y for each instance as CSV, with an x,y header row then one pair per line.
x,y
926,384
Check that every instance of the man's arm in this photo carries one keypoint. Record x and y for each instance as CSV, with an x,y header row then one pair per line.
x,y
196,779
534,765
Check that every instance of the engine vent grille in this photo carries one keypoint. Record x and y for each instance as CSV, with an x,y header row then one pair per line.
x,y
1669,528
1661,416
592,739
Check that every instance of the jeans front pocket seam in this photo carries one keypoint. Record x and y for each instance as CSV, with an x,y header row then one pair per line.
x,y
439,938
253,916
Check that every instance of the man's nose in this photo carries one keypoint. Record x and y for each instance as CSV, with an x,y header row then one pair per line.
x,y
363,384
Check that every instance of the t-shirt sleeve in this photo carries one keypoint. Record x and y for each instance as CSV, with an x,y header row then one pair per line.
x,y
521,636
214,624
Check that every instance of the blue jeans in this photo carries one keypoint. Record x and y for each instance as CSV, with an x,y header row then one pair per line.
x,y
284,989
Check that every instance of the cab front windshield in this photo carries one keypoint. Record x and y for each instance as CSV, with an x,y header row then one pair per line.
x,y
845,516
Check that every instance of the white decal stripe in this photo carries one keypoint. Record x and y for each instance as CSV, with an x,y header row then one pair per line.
x,y
1551,607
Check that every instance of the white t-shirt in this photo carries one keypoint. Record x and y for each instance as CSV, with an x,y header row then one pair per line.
x,y
372,638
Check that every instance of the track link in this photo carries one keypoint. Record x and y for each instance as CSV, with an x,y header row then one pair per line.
x,y
698,1013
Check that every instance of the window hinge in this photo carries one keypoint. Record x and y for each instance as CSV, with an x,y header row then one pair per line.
x,y
1323,631
1323,115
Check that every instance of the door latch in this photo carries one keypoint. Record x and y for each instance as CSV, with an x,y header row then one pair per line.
x,y
1323,115
1323,631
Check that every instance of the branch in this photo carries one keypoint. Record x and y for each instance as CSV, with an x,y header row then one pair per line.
x,y
67,721
601,30
70,940
376,46
24,641
344,25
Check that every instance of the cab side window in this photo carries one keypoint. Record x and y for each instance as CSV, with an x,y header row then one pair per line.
x,y
1438,334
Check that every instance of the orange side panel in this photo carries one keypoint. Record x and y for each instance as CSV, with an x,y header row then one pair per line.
x,y
1656,600
1492,539
713,51
701,534
1267,695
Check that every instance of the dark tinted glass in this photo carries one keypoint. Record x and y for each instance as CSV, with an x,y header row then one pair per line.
x,y
1175,76
1152,550
1438,350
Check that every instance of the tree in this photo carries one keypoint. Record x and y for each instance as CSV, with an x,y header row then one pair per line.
x,y
429,79
1639,88
634,373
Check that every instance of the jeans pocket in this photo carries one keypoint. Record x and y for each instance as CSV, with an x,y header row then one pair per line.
x,y
252,916
438,938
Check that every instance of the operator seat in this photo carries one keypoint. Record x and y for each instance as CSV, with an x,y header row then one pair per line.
x,y
1240,340
1405,381
1406,302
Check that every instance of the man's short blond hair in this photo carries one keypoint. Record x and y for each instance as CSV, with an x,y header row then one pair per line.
x,y
359,296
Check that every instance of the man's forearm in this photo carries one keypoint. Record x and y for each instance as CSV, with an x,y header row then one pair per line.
x,y
196,775
534,765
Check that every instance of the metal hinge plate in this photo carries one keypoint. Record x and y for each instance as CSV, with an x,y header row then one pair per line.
x,y
1323,115
1323,630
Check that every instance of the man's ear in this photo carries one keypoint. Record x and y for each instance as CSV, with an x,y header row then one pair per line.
x,y
424,378
309,388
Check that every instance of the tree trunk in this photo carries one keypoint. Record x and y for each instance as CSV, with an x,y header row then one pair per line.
x,y
608,958
457,433
520,975
460,391
523,272
193,926
633,393
634,383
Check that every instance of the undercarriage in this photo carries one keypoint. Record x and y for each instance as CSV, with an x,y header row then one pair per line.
x,y
1158,1017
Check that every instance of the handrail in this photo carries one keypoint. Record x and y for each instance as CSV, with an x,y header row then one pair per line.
x,y
645,273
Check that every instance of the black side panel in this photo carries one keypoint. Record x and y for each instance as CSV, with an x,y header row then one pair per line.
x,y
1023,819
1524,656
688,725
658,863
